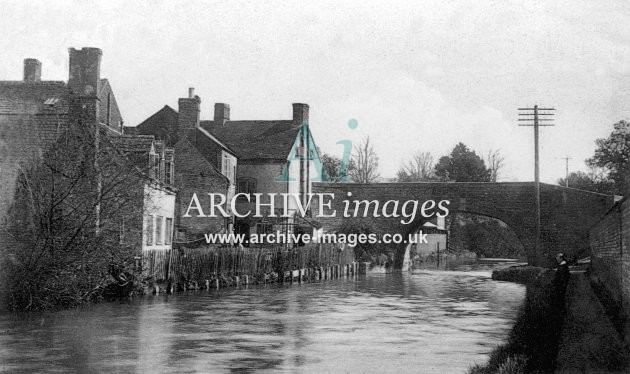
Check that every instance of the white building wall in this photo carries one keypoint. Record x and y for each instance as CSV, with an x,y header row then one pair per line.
x,y
158,202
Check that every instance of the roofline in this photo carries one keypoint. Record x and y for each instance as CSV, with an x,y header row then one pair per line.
x,y
105,83
214,139
41,83
202,157
155,114
261,160
250,120
65,114
146,178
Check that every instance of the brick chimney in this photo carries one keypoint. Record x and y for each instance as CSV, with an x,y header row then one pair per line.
x,y
188,118
32,70
85,71
221,113
300,114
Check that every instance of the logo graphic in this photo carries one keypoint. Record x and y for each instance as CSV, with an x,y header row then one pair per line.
x,y
304,149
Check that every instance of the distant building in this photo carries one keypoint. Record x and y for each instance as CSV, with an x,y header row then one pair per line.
x,y
252,157
436,235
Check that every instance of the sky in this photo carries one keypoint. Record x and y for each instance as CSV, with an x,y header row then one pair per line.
x,y
418,76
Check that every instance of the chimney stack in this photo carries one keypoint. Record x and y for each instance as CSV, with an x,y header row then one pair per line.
x,y
85,71
300,114
221,113
188,116
32,70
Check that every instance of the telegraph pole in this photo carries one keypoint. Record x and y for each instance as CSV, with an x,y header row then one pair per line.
x,y
536,117
566,164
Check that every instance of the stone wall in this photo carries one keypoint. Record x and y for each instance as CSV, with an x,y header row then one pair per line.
x,y
194,174
606,244
610,257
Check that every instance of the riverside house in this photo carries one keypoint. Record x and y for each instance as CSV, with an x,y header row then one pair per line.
x,y
237,156
43,119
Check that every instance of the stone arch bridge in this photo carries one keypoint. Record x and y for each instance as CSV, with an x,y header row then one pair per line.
x,y
567,214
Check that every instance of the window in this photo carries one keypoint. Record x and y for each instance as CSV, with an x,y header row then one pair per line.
x,y
169,231
158,229
246,185
149,230
168,172
228,166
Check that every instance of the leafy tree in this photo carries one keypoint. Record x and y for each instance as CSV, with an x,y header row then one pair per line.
x,y
589,182
613,155
419,168
462,165
365,251
365,163
485,236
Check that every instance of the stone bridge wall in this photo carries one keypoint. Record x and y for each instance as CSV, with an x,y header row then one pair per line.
x,y
566,214
610,255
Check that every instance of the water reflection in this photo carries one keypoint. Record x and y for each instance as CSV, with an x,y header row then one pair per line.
x,y
427,321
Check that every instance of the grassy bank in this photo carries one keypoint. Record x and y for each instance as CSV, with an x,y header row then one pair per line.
x,y
532,345
589,342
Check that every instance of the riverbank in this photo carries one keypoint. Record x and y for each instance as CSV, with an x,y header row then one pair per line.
x,y
589,342
558,331
532,345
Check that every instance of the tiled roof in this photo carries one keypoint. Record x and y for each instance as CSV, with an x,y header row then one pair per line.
x,y
162,124
133,143
17,97
214,139
248,140
255,140
167,111
24,135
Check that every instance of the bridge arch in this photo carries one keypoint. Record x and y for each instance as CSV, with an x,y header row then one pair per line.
x,y
495,238
566,213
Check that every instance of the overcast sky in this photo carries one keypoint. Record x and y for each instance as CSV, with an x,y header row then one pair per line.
x,y
417,75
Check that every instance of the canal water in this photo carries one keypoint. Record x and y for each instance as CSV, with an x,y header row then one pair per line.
x,y
426,321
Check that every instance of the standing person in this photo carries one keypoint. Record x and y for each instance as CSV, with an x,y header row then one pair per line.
x,y
562,269
561,280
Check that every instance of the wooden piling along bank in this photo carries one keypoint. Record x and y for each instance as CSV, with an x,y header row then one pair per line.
x,y
215,266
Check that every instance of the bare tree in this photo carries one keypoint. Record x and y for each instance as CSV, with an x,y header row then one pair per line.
x,y
63,251
365,163
419,168
496,162
332,167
